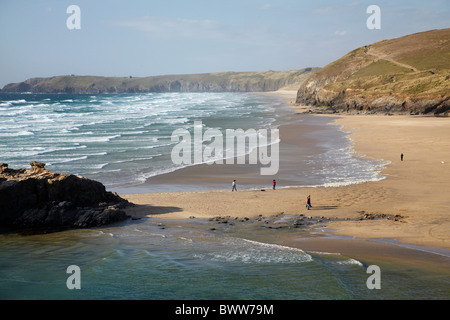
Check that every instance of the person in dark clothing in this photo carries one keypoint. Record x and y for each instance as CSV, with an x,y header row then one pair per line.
x,y
308,203
401,156
234,186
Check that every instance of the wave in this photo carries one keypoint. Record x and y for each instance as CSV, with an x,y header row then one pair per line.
x,y
250,252
97,167
37,151
17,134
19,101
21,126
60,161
132,133
12,102
349,183
13,112
104,153
351,261
58,149
132,160
82,139
155,146
340,259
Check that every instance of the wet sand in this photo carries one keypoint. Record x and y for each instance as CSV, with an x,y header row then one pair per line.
x,y
298,138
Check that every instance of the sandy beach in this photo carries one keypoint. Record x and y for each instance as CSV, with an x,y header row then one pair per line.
x,y
411,205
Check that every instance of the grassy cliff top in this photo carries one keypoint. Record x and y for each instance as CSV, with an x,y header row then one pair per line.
x,y
416,65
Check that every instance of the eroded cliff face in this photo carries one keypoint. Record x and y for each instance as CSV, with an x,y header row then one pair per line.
x,y
38,200
350,102
410,75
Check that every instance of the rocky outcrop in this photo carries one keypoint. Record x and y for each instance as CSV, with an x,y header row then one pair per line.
x,y
409,75
38,200
390,104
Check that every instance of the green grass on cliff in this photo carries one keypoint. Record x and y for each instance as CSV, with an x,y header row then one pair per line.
x,y
380,68
416,65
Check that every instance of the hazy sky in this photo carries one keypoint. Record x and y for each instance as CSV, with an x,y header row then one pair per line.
x,y
146,37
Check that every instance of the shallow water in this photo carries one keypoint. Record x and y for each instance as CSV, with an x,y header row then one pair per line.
x,y
196,259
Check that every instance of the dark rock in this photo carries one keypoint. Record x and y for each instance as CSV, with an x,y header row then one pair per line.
x,y
3,167
43,201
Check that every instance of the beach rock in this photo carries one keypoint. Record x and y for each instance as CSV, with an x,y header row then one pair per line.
x,y
43,201
3,166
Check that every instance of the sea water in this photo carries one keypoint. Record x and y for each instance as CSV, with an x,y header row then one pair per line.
x,y
154,259
116,139
122,140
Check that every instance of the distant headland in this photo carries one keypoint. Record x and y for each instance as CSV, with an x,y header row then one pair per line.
x,y
206,82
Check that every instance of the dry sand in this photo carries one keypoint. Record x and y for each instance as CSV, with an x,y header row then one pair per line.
x,y
417,189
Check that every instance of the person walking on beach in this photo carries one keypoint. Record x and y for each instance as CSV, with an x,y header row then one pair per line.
x,y
233,186
401,156
274,183
308,202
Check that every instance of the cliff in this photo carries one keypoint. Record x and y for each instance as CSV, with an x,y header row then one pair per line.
x,y
410,74
38,200
208,82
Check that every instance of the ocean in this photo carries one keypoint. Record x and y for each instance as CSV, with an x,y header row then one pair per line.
x,y
153,259
124,140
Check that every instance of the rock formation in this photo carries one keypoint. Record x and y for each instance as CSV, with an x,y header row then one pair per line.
x,y
38,200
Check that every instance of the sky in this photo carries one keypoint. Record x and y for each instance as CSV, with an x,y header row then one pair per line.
x,y
145,37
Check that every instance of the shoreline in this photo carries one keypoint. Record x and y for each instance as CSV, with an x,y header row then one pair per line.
x,y
400,193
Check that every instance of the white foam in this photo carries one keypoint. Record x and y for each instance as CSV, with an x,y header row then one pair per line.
x,y
96,167
342,260
19,101
83,139
249,251
350,261
59,161
17,134
132,160
57,149
12,102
